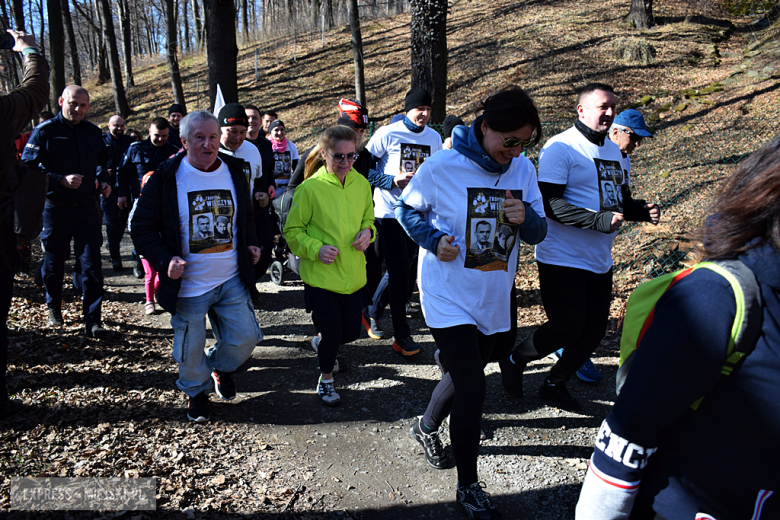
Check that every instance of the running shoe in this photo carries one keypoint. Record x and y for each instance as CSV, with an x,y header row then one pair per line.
x,y
589,373
476,503
435,454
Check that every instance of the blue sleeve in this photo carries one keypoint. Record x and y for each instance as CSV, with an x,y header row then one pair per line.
x,y
35,155
534,228
415,225
379,179
678,361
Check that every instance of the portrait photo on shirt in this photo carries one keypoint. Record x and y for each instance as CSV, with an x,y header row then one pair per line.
x,y
211,217
282,164
610,176
413,155
485,220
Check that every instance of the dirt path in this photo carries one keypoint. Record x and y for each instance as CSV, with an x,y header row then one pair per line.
x,y
276,448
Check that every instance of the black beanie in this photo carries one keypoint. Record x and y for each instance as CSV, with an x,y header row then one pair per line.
x,y
233,114
274,124
449,123
417,97
177,108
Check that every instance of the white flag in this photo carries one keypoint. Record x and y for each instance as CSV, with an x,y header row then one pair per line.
x,y
219,102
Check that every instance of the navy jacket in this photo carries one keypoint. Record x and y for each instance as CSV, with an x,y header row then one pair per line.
x,y
141,158
115,153
62,148
721,459
157,235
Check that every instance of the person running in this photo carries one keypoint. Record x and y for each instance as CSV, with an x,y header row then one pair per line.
x,y
466,295
654,456
407,141
330,224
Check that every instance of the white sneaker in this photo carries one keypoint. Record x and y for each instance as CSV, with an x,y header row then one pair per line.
x,y
327,393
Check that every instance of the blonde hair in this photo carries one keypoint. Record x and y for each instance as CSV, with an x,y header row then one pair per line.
x,y
328,140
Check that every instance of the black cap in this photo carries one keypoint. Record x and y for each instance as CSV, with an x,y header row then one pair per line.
x,y
449,123
233,114
417,97
177,108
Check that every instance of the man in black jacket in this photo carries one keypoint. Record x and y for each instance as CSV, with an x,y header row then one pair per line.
x,y
117,144
202,277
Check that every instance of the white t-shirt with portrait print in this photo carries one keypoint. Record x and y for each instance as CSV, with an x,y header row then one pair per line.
x,y
593,176
207,222
253,166
399,149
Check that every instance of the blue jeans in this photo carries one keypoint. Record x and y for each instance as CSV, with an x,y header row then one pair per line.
x,y
235,327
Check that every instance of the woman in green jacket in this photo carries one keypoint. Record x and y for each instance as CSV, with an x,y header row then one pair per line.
x,y
330,224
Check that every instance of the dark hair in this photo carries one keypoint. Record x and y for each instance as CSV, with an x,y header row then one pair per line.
x,y
251,107
160,123
46,115
509,109
592,87
748,207
132,132
481,222
269,113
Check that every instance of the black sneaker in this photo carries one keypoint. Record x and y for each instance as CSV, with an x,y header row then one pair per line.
x,y
412,311
476,503
406,347
435,454
512,376
95,330
198,409
224,385
558,395
117,265
55,316
138,270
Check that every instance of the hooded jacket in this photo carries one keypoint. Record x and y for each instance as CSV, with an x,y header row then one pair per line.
x,y
324,212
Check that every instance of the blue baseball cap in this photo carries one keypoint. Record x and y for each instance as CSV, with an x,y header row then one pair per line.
x,y
634,120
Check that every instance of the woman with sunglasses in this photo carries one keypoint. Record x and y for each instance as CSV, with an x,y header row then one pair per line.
x,y
330,224
467,293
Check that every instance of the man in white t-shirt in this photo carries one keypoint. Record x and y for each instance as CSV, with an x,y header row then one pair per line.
x,y
400,148
202,274
577,168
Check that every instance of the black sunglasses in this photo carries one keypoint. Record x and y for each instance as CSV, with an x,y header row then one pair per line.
x,y
339,158
632,135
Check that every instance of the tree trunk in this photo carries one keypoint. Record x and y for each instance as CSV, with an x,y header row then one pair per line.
x,y
75,64
357,51
127,42
222,51
42,26
198,24
186,23
641,14
171,48
56,50
120,100
429,52
245,20
17,6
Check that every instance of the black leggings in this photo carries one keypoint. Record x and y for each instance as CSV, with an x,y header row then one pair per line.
x,y
337,317
464,351
577,306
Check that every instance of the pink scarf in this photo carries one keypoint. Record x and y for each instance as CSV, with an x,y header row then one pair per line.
x,y
279,146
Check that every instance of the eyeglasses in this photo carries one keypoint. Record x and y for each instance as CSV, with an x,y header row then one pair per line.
x,y
632,135
512,142
339,158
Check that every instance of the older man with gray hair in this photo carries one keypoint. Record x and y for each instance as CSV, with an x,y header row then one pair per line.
x,y
202,277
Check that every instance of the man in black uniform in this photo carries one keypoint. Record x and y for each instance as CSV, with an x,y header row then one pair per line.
x,y
175,113
142,157
117,144
71,152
